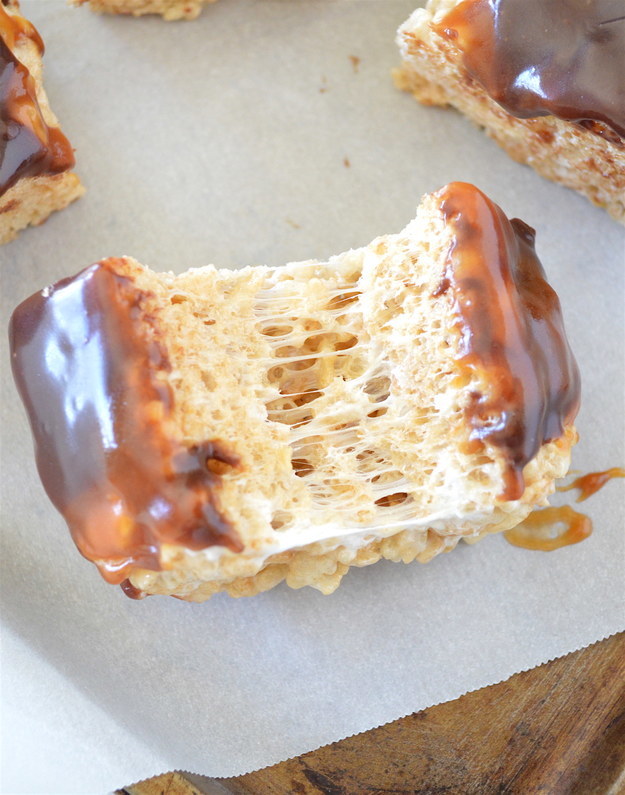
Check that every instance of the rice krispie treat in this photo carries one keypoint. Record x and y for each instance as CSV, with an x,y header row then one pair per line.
x,y
225,430
35,157
168,9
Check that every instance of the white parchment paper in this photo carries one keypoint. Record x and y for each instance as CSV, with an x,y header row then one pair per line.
x,y
247,137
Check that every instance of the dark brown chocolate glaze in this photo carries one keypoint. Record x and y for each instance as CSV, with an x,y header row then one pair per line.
x,y
28,146
564,58
91,373
512,334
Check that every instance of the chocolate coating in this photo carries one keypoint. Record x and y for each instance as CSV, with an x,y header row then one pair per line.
x,y
564,58
28,146
512,334
91,372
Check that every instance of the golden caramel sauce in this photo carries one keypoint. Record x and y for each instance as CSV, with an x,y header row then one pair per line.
x,y
14,28
547,529
589,484
92,374
513,344
28,146
564,58
550,528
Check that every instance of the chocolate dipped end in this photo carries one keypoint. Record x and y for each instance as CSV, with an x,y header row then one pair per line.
x,y
91,372
564,58
512,338
28,146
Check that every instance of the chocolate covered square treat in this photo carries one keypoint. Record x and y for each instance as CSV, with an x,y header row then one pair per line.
x,y
36,159
546,80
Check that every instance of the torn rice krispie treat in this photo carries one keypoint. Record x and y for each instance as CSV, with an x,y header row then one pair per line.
x,y
225,430
545,79
35,157
168,9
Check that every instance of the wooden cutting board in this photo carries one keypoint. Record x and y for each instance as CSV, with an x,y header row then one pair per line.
x,y
559,728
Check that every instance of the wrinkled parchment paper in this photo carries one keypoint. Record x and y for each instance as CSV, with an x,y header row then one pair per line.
x,y
252,136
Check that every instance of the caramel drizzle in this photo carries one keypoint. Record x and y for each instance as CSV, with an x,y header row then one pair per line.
x,y
542,57
92,374
540,530
514,351
28,146
14,28
589,484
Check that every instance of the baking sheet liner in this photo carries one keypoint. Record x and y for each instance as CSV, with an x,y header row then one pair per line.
x,y
265,132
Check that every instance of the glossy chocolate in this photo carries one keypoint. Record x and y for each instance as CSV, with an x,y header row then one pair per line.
x,y
28,146
513,342
550,528
92,374
564,58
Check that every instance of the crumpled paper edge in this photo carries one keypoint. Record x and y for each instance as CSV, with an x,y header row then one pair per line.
x,y
304,751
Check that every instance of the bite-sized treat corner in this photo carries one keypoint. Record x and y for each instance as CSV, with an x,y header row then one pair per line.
x,y
35,157
227,430
545,80
170,10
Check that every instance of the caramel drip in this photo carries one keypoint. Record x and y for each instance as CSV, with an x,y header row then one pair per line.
x,y
131,592
28,146
14,28
92,375
550,528
564,58
589,484
513,346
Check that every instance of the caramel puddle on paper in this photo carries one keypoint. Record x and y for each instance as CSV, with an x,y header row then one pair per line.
x,y
552,528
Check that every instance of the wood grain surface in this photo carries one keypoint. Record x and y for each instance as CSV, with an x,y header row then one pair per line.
x,y
559,728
